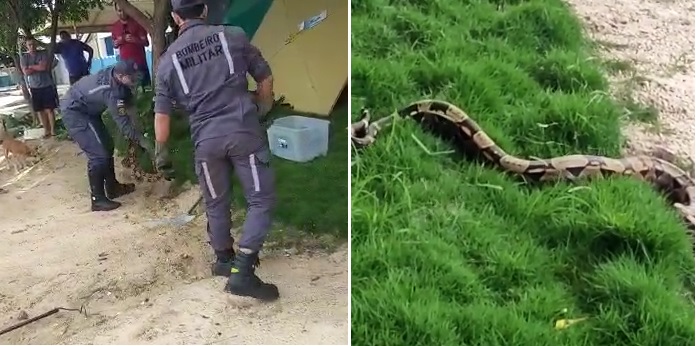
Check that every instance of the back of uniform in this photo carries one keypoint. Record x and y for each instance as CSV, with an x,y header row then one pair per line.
x,y
205,71
92,95
87,95
81,109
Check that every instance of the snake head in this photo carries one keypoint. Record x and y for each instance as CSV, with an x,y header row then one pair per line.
x,y
359,129
364,114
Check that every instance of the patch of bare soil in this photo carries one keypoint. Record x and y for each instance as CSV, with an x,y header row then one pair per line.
x,y
650,44
140,285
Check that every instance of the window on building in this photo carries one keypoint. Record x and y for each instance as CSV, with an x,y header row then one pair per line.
x,y
109,44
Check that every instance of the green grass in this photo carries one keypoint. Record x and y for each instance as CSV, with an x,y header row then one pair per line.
x,y
447,252
311,196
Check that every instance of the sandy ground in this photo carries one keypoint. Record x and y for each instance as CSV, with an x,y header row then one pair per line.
x,y
139,285
656,37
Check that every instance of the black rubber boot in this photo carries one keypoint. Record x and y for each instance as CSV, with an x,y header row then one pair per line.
x,y
114,189
223,263
99,200
244,282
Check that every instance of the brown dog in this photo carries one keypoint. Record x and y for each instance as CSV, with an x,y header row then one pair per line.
x,y
16,153
20,153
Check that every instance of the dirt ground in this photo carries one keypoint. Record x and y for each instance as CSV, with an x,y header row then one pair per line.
x,y
655,40
140,285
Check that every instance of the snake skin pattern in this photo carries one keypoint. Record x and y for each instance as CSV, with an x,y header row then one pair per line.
x,y
451,123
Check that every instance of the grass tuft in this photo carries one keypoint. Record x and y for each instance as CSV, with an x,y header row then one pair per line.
x,y
448,252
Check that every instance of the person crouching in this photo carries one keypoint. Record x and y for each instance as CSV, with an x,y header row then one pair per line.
x,y
82,108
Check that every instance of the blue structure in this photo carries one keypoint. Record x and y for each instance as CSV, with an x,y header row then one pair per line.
x,y
111,57
97,64
100,63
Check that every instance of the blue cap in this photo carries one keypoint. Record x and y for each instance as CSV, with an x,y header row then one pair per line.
x,y
179,4
126,67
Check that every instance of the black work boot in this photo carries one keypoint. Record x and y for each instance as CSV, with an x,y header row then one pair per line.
x,y
114,189
99,200
244,282
223,263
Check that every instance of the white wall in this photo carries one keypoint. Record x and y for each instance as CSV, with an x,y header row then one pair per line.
x,y
60,72
100,47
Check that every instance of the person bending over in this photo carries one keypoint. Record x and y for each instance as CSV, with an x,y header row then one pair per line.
x,y
82,108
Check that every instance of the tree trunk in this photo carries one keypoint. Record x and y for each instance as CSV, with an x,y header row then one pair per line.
x,y
156,26
22,84
16,50
136,14
160,24
55,15
15,54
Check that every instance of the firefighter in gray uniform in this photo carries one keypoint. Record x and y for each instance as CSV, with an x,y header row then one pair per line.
x,y
204,71
81,110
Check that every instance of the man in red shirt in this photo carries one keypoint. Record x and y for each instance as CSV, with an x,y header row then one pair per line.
x,y
131,39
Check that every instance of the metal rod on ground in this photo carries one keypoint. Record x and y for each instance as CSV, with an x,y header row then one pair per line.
x,y
36,318
33,319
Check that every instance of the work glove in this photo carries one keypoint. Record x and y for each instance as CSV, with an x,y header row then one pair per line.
x,y
162,161
148,147
263,108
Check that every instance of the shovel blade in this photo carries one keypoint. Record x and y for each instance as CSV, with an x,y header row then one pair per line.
x,y
176,222
163,189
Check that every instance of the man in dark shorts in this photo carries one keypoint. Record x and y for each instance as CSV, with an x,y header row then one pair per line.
x,y
37,66
73,53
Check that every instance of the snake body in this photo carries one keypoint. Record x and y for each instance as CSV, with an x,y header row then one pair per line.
x,y
452,123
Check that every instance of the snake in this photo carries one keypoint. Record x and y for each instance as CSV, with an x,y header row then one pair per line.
x,y
130,161
451,123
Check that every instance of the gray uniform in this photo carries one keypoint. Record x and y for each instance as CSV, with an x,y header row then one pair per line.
x,y
82,108
204,71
